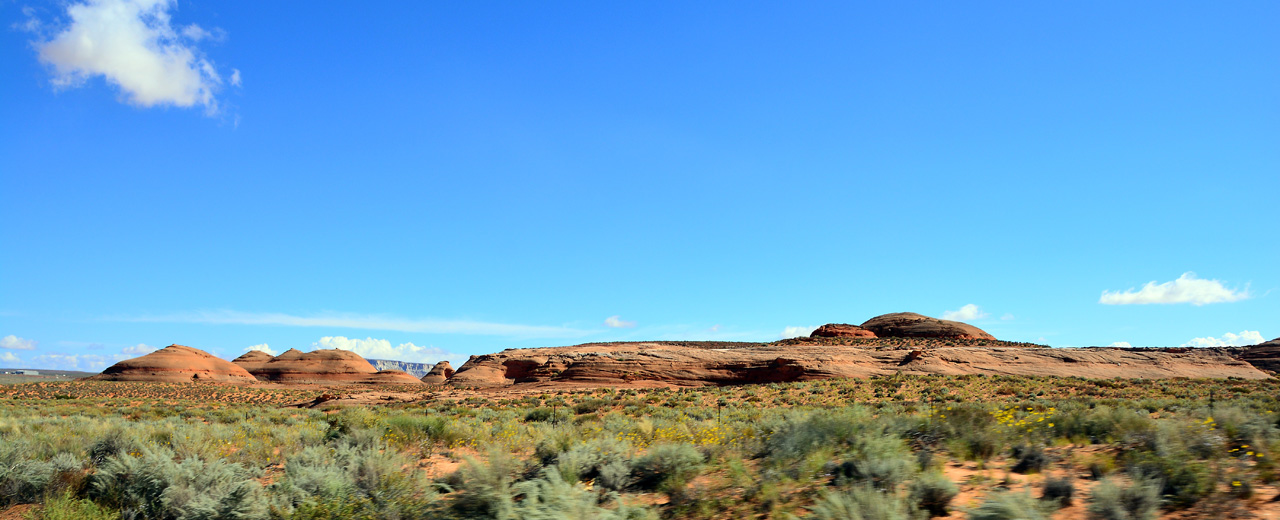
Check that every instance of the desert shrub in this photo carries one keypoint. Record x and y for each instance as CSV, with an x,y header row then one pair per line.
x,y
666,467
859,503
1182,482
1138,501
154,486
1008,505
932,493
586,460
65,506
351,481
421,432
1030,459
877,459
552,497
795,436
1058,490
589,406
116,442
548,414
485,491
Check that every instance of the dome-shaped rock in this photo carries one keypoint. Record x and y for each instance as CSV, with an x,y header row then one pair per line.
x,y
841,330
176,364
252,360
319,366
912,325
439,374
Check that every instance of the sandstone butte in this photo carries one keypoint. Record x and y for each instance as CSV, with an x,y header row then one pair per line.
x,y
331,366
439,374
176,364
903,343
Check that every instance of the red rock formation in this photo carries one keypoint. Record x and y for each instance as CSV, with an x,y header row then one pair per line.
x,y
912,325
439,374
683,365
176,364
390,377
1265,356
320,366
841,330
252,360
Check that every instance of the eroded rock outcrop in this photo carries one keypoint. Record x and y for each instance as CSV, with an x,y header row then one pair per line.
x,y
912,325
439,374
682,365
841,330
176,364
252,360
319,366
390,377
1265,356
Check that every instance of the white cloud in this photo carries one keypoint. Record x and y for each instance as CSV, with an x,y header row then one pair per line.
x,y
12,342
138,350
965,313
616,322
235,77
1186,289
1244,338
9,357
84,362
382,349
356,321
131,44
262,348
1121,344
796,332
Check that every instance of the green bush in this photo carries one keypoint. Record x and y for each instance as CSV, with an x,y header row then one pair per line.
x,y
880,460
1008,505
550,497
1139,501
154,486
65,506
859,503
351,480
486,491
666,467
1058,491
932,493
1030,459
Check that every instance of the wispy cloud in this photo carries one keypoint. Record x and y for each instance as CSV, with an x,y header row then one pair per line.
x,y
131,44
9,357
1186,289
12,342
796,332
85,362
138,350
616,322
262,347
357,321
965,313
370,348
1243,339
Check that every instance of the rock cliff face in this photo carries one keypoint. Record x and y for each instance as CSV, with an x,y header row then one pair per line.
x,y
668,364
439,374
841,330
1265,356
176,364
413,369
912,325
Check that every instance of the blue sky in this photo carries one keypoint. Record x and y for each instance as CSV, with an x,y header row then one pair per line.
x,y
434,180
